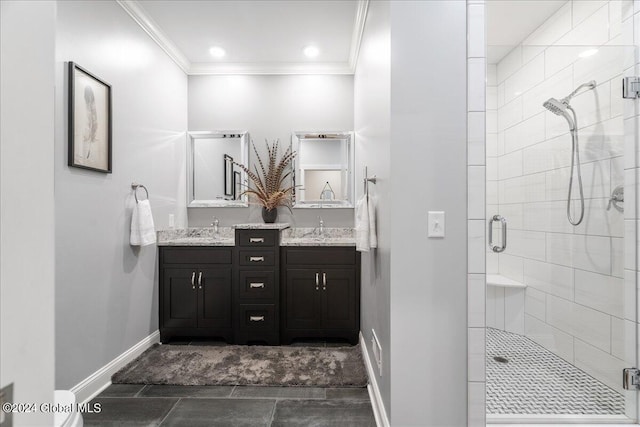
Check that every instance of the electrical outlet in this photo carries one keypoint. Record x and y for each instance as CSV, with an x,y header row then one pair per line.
x,y
6,395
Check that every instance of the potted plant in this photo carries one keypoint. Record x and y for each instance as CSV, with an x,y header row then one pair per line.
x,y
269,188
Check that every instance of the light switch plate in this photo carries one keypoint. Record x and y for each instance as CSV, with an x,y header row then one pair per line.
x,y
435,224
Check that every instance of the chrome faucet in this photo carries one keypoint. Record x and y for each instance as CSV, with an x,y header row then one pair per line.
x,y
320,226
215,224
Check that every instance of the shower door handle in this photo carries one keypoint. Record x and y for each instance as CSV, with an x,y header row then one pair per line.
x,y
503,221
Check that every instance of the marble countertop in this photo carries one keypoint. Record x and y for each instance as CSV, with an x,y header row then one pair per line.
x,y
263,226
225,237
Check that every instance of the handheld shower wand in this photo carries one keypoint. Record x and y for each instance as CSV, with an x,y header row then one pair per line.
x,y
562,108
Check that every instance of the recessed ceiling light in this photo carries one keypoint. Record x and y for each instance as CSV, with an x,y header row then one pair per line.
x,y
217,52
311,51
588,53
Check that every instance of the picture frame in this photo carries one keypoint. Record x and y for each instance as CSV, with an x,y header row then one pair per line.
x,y
237,185
228,175
90,124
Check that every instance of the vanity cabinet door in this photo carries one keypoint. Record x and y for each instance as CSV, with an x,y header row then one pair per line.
x,y
179,298
214,297
339,305
303,301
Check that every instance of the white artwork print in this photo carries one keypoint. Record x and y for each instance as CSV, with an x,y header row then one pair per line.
x,y
91,133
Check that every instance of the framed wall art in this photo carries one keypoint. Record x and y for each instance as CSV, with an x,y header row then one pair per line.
x,y
89,120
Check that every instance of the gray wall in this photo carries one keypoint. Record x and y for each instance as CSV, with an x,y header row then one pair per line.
x,y
428,165
373,149
27,36
106,291
271,106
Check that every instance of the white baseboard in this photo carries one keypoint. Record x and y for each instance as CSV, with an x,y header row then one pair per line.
x,y
382,420
91,386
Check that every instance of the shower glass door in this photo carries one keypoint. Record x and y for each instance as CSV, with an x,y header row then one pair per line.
x,y
561,303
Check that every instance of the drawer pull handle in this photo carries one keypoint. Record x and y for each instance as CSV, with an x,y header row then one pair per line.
x,y
193,280
324,281
200,280
256,259
256,239
256,285
256,318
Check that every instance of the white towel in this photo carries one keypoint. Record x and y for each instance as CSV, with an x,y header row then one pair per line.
x,y
363,243
143,231
373,236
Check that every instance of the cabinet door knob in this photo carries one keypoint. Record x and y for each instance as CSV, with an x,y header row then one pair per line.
x,y
317,280
256,239
200,280
256,318
256,285
324,281
193,280
256,259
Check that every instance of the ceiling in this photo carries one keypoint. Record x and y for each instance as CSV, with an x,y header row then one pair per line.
x,y
259,36
510,21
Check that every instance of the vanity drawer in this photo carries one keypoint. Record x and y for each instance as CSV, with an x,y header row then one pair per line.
x,y
184,255
253,257
254,317
256,284
257,238
323,256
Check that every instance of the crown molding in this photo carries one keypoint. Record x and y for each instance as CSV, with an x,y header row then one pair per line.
x,y
141,17
358,31
136,11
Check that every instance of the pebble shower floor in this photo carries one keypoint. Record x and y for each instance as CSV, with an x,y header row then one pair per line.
x,y
535,381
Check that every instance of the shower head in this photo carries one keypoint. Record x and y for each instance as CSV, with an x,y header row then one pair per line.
x,y
559,108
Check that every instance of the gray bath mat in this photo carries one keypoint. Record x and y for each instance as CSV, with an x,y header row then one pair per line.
x,y
246,365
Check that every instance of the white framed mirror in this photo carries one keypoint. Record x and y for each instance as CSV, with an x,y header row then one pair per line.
x,y
323,169
213,180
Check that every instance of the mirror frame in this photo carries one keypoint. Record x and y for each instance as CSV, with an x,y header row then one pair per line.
x,y
244,159
296,136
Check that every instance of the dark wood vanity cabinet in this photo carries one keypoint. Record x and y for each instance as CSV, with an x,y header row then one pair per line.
x,y
195,292
320,293
256,290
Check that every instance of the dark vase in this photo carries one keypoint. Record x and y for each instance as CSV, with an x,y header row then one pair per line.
x,y
269,216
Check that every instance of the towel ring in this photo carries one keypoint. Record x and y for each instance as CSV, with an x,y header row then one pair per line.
x,y
135,187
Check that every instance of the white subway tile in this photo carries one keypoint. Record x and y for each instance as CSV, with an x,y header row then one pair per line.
x,y
617,104
559,59
476,297
510,165
582,9
528,244
600,292
525,78
606,64
475,245
535,303
491,143
594,30
511,267
598,221
476,72
477,405
592,253
528,188
549,278
627,8
623,339
501,144
556,126
626,248
530,52
513,213
476,31
617,173
631,295
492,78
593,106
582,322
476,346
492,193
476,192
476,138
558,85
492,121
499,306
603,140
509,64
615,18
547,155
630,187
552,339
595,181
552,29
492,262
514,310
560,249
599,364
631,143
547,216
491,305
492,97
492,169
525,133
510,114
500,95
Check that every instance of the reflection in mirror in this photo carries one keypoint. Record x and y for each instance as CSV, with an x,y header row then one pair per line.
x,y
214,181
323,169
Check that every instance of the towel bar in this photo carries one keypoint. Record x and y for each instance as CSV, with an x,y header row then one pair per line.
x,y
135,186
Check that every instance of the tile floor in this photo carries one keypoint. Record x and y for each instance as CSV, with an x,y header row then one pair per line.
x,y
233,406
536,381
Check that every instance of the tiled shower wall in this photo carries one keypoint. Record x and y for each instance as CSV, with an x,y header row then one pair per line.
x,y
574,303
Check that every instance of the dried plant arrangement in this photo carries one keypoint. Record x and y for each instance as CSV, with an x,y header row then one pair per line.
x,y
269,187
